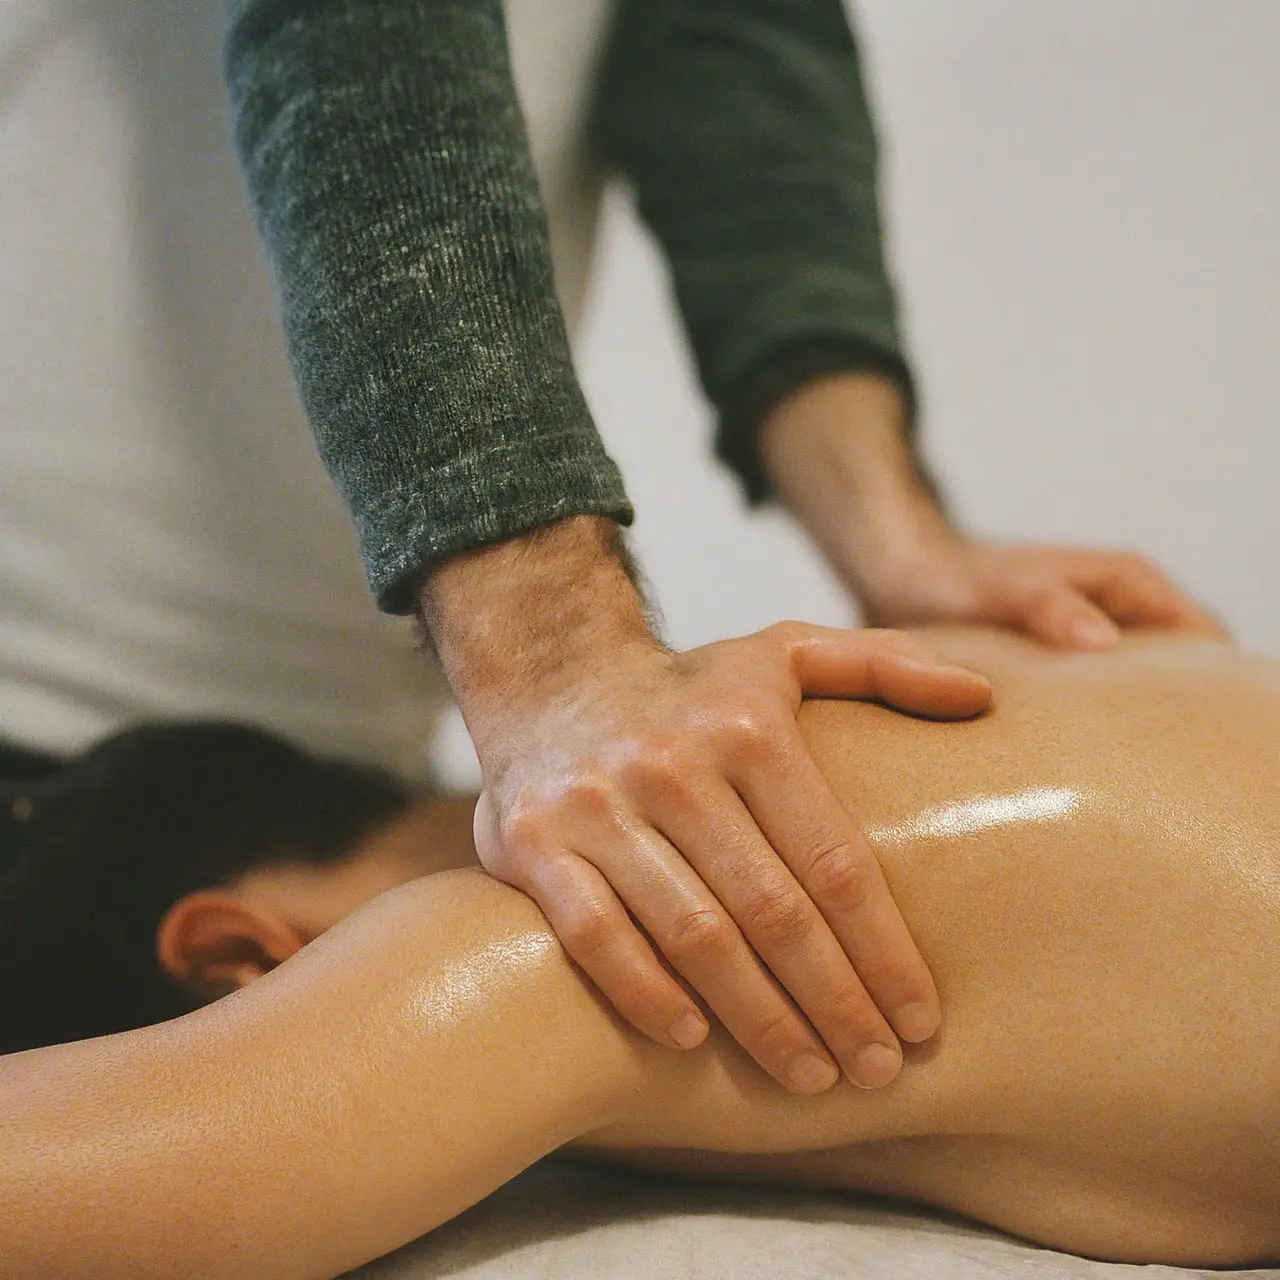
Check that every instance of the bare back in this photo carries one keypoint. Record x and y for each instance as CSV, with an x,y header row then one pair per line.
x,y
1090,869
1093,872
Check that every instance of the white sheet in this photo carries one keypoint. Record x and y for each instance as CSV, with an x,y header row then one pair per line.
x,y
559,1222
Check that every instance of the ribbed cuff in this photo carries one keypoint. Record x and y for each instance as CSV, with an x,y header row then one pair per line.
x,y
481,498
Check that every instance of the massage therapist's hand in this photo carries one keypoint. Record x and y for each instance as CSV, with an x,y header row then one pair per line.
x,y
836,450
648,799
1067,597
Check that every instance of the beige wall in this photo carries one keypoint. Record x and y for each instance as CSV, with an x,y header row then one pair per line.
x,y
1084,198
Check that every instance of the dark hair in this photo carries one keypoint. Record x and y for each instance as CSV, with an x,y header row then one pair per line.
x,y
93,857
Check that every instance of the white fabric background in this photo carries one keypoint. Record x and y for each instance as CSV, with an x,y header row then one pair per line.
x,y
560,1222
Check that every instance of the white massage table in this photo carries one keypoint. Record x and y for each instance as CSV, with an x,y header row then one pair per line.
x,y
562,1222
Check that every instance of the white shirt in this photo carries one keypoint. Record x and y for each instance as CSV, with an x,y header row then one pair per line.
x,y
169,542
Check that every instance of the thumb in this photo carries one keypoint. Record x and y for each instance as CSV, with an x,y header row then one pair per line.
x,y
884,665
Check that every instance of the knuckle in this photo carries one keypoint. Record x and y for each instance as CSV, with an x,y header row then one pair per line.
x,y
1140,568
850,1009
839,878
698,936
1037,588
899,644
786,635
850,1005
1042,599
772,1036
892,638
1131,566
522,832
591,794
753,731
660,767
586,929
778,917
639,996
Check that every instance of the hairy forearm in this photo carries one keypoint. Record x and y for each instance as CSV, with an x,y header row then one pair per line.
x,y
512,621
842,441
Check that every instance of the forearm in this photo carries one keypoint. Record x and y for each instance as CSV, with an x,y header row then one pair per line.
x,y
514,623
839,453
745,128
400,1068
391,180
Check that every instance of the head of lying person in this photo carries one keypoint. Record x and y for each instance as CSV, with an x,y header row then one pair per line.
x,y
171,864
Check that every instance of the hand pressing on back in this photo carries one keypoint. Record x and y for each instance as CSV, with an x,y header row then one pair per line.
x,y
837,451
1066,597
664,812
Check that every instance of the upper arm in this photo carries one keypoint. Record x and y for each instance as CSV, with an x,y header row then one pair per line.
x,y
392,1073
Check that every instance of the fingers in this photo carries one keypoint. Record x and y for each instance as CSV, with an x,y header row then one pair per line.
x,y
603,941
1059,615
700,940
832,861
709,951
886,665
596,931
1135,593
925,687
666,822
695,932
1081,599
780,921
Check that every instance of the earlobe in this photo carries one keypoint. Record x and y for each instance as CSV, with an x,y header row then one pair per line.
x,y
216,942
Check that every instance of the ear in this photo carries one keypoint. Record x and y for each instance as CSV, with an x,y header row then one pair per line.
x,y
216,942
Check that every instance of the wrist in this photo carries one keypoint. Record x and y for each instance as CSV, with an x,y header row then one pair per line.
x,y
838,453
513,621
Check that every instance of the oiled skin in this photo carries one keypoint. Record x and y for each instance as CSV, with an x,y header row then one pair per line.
x,y
1107,1079
1093,873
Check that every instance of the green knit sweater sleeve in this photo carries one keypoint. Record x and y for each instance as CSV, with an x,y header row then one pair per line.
x,y
391,181
745,130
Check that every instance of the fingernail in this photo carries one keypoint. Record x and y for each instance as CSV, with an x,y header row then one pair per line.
x,y
875,1066
811,1075
916,1022
689,1030
1095,633
936,666
930,665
